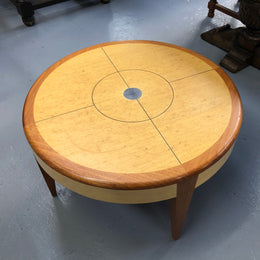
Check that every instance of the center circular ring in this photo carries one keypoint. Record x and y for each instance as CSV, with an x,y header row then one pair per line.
x,y
132,96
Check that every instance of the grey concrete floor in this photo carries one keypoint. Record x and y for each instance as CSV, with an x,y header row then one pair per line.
x,y
224,218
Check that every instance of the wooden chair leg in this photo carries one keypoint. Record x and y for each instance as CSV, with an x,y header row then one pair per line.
x,y
49,181
211,6
179,206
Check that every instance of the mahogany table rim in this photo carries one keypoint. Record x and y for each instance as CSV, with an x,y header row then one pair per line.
x,y
140,180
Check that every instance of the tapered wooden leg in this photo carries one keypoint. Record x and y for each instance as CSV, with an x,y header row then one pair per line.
x,y
179,206
49,181
211,6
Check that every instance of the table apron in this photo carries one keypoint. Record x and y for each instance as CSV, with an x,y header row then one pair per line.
x,y
129,196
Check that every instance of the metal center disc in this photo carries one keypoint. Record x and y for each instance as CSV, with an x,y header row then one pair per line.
x,y
132,93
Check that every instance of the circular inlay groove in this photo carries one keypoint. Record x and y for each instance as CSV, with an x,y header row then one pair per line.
x,y
130,92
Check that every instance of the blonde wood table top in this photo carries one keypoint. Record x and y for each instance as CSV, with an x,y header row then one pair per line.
x,y
132,115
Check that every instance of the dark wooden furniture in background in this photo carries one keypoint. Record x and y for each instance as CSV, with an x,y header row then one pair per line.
x,y
243,43
214,5
26,8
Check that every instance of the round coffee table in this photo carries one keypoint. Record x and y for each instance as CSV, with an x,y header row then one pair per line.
x,y
133,122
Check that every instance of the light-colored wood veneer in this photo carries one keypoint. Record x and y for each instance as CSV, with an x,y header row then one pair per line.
x,y
129,196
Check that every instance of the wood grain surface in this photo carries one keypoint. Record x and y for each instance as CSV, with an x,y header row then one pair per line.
x,y
79,123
